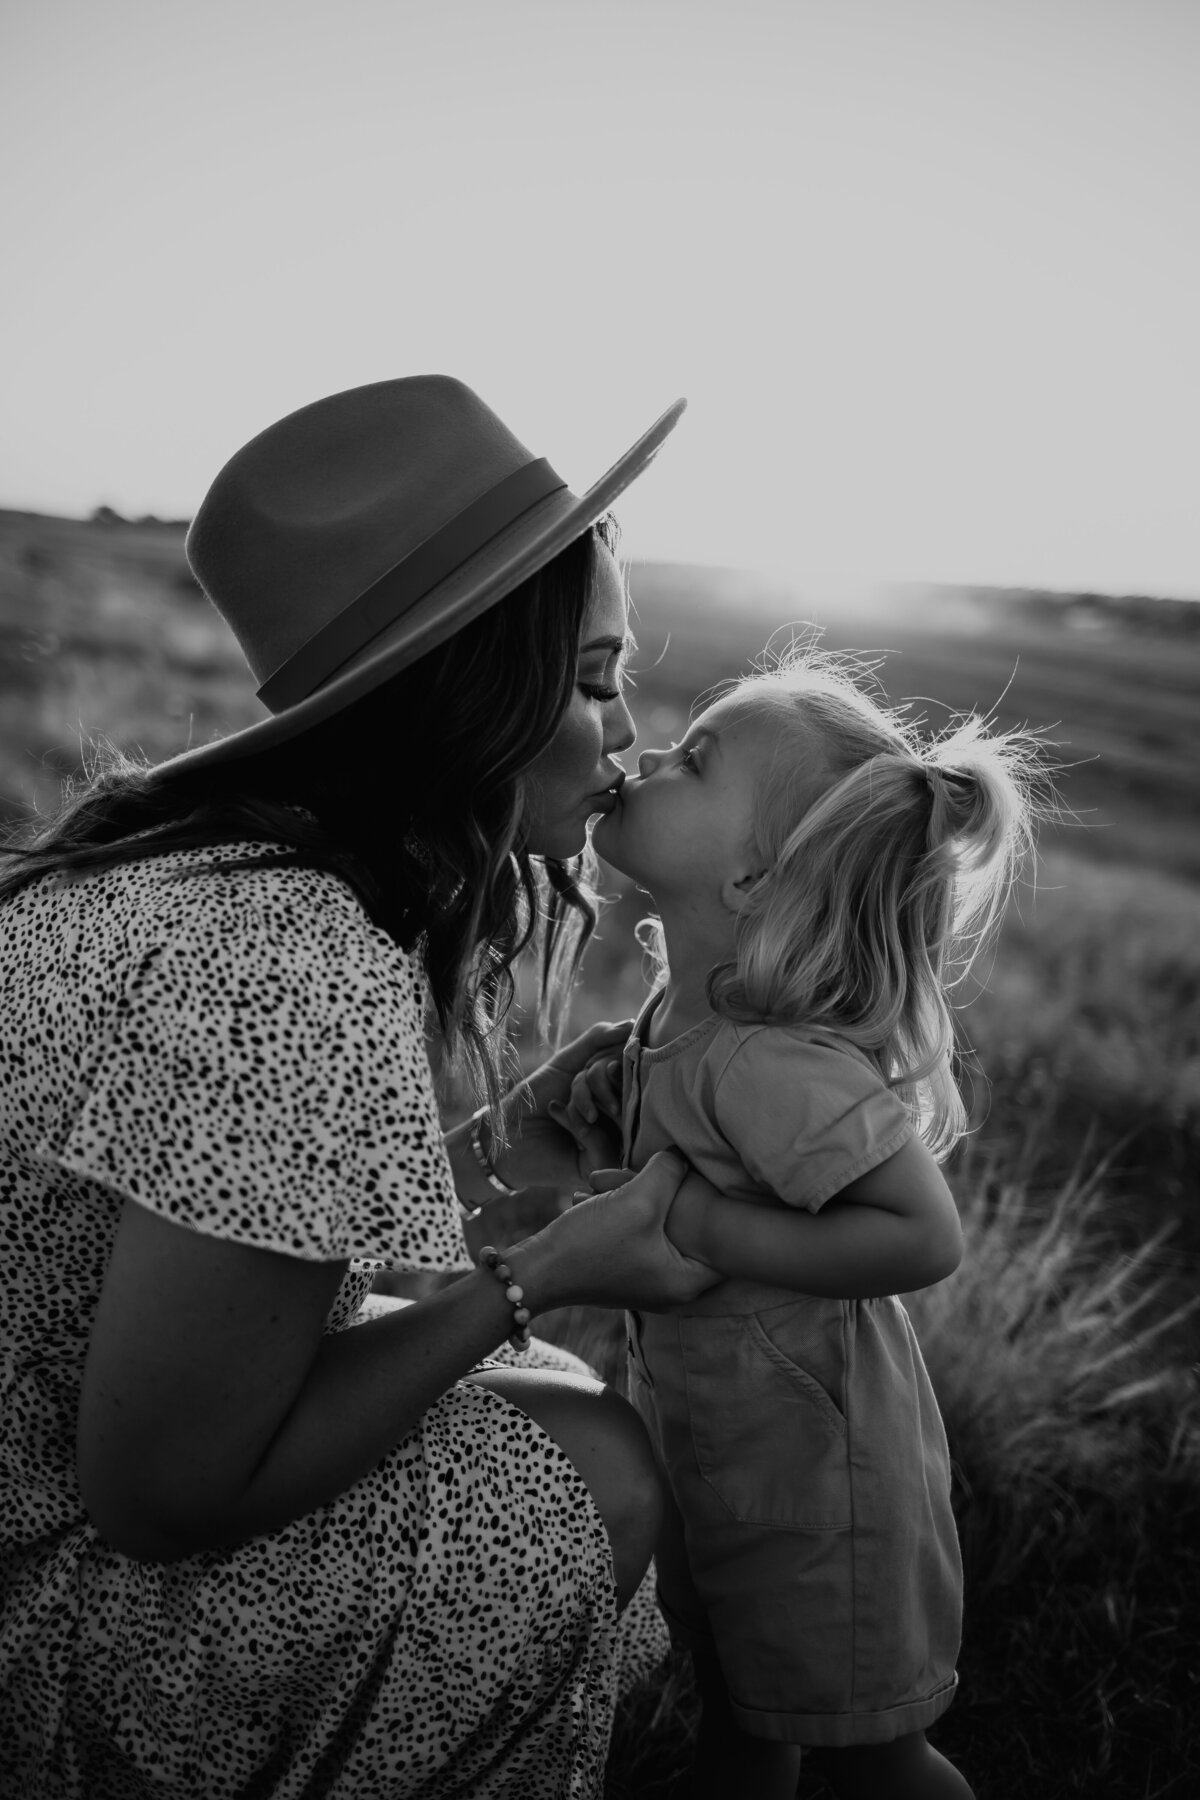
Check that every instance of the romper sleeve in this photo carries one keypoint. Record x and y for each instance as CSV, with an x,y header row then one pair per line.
x,y
804,1118
266,1078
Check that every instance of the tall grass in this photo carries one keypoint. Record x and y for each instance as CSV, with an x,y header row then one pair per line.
x,y
1073,1415
1052,1361
1088,1034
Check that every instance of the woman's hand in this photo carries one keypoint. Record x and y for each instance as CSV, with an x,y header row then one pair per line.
x,y
689,1215
611,1249
541,1152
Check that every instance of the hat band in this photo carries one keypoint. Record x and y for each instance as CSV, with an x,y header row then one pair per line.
x,y
406,582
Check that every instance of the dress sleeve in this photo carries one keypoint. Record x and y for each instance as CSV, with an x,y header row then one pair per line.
x,y
804,1118
266,1079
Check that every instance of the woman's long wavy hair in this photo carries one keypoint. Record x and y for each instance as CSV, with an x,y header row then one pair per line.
x,y
889,860
414,795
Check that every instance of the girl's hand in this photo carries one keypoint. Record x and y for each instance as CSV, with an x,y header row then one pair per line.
x,y
593,1113
612,1249
596,1091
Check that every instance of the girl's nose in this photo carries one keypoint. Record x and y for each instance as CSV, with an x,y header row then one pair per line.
x,y
648,761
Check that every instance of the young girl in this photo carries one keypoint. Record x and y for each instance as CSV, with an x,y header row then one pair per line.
x,y
822,876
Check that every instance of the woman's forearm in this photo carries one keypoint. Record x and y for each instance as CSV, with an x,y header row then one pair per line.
x,y
849,1250
538,1154
163,1481
214,1409
364,1390
368,1387
470,1182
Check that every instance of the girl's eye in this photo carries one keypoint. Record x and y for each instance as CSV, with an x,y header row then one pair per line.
x,y
687,761
603,694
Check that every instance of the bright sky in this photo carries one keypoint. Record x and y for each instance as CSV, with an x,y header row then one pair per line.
x,y
928,271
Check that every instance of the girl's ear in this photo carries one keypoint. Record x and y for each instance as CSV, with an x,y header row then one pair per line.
x,y
737,889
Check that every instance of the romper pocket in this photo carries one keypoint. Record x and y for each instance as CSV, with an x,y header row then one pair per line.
x,y
769,1438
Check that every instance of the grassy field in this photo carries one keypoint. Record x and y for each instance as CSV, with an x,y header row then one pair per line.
x,y
1064,1366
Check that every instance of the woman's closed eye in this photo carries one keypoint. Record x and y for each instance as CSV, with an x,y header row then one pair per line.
x,y
601,674
687,759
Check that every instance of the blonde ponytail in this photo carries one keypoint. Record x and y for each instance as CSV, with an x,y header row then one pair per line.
x,y
987,792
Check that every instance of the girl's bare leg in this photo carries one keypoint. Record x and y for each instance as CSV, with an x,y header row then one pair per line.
x,y
729,1764
908,1768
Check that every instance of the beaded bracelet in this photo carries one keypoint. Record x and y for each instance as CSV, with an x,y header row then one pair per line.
x,y
483,1159
490,1258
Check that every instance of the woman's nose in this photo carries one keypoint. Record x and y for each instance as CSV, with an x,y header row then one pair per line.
x,y
648,761
620,730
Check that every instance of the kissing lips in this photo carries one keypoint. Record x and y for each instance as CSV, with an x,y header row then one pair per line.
x,y
609,797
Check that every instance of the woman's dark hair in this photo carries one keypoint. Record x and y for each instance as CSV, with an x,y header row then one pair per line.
x,y
414,795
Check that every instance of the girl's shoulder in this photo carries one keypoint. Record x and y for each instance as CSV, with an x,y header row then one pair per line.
x,y
793,1049
805,1110
765,1039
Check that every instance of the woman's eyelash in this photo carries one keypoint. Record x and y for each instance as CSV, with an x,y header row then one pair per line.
x,y
594,692
688,759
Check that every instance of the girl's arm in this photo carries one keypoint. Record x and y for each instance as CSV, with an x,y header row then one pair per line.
x,y
889,1232
214,1408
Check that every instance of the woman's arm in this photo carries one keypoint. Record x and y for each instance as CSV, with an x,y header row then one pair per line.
x,y
891,1231
214,1409
540,1152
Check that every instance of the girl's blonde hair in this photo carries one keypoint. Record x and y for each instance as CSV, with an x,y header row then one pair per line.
x,y
889,859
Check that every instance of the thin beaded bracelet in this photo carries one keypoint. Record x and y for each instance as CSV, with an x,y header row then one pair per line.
x,y
490,1258
483,1159
464,1206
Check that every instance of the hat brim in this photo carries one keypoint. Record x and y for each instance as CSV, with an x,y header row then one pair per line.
x,y
469,590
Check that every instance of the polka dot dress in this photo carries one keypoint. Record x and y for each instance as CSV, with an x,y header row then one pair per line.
x,y
243,1053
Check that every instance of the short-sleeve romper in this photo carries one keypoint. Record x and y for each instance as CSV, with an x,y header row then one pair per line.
x,y
814,1547
244,1053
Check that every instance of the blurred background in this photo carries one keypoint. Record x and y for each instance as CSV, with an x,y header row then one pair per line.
x,y
928,274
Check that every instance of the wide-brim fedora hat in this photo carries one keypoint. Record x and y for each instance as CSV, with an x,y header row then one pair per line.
x,y
356,534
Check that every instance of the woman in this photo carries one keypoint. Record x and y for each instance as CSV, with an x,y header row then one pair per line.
x,y
247,1551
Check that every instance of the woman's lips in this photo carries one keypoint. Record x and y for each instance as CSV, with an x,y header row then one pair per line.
x,y
607,798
